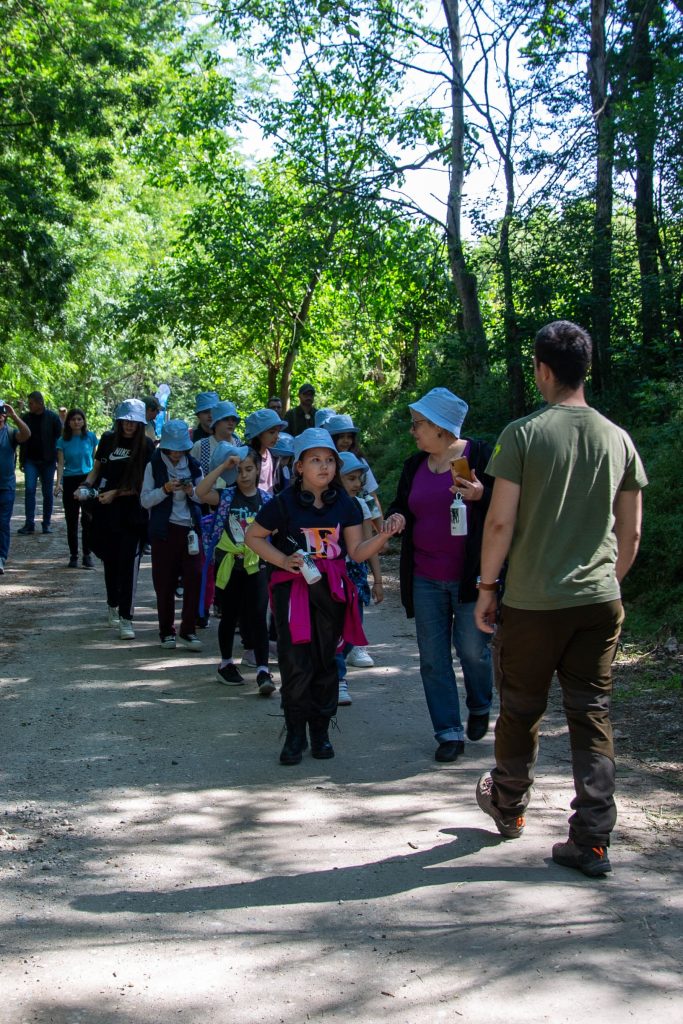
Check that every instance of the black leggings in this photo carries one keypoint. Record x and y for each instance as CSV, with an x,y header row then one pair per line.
x,y
121,559
310,686
245,601
72,510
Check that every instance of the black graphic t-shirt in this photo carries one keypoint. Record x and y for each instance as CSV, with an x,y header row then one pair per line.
x,y
243,508
114,459
317,531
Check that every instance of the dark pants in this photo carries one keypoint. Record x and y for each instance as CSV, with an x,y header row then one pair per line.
x,y
245,601
580,644
170,560
72,510
121,560
310,688
33,472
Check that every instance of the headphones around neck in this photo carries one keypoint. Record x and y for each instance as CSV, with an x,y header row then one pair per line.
x,y
307,498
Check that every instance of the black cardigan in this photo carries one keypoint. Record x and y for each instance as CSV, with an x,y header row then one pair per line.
x,y
479,455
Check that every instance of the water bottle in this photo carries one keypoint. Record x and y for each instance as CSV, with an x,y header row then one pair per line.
x,y
236,529
192,543
458,517
87,492
309,570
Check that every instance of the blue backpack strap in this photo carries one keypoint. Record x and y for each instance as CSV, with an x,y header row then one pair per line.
x,y
212,530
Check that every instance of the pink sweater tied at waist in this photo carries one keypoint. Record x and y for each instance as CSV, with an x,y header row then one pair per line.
x,y
342,589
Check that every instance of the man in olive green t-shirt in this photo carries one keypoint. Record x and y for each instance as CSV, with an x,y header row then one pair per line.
x,y
566,512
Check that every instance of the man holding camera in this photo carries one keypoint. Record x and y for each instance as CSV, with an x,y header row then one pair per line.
x,y
9,439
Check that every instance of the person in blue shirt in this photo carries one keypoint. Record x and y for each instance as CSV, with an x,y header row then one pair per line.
x,y
75,452
9,439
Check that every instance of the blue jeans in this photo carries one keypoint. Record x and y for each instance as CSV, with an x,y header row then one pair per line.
x,y
441,621
340,656
6,506
45,472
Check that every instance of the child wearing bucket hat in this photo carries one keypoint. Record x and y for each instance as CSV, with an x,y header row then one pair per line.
x,y
306,533
168,492
117,523
205,401
352,473
345,436
283,450
439,568
224,419
261,430
241,582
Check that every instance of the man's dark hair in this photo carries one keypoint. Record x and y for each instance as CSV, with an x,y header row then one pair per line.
x,y
567,349
37,396
152,403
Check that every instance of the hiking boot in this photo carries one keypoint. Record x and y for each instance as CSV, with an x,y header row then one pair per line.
x,y
24,530
230,675
591,860
112,615
344,696
321,748
191,641
509,828
126,631
87,562
168,642
264,681
449,750
477,727
295,743
359,658
73,562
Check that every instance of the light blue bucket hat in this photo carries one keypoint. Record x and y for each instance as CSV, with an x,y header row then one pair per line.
x,y
224,411
340,424
322,416
441,407
313,437
206,400
350,463
175,436
284,444
223,451
131,409
262,419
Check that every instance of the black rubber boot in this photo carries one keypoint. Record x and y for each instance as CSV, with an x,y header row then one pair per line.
x,y
320,741
295,742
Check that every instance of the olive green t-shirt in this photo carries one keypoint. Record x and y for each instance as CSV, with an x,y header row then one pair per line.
x,y
570,462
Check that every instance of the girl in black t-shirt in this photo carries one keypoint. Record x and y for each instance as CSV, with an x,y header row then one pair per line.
x,y
311,526
119,527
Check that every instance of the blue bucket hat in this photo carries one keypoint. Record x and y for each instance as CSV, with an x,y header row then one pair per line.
x,y
441,407
132,409
175,436
322,416
262,419
223,411
350,463
223,451
341,424
313,437
284,444
206,400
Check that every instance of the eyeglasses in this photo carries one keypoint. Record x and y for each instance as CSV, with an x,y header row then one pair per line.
x,y
414,424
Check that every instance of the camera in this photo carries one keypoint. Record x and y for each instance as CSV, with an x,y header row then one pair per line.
x,y
186,481
3,409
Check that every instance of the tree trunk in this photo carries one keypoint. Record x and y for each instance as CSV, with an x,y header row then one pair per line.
x,y
409,356
465,281
601,253
644,133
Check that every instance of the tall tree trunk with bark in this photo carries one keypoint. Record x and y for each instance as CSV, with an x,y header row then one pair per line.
x,y
601,254
465,281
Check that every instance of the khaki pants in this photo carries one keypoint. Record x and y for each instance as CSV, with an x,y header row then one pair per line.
x,y
579,644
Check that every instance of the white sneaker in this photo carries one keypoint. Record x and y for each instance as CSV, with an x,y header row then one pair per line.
x,y
344,696
249,658
112,615
126,631
359,658
2,566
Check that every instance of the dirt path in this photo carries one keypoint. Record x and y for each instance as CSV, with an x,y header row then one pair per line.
x,y
159,865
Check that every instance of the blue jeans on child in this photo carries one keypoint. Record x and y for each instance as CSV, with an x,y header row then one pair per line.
x,y
440,621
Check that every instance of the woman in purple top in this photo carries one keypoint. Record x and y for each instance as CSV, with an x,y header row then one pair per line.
x,y
440,565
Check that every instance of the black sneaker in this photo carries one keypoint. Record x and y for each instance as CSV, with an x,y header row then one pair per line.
x,y
190,640
449,750
230,674
26,529
264,681
509,828
591,860
477,727
73,563
203,622
87,562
